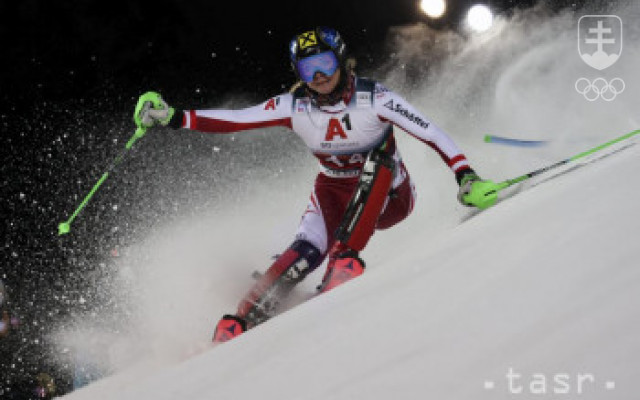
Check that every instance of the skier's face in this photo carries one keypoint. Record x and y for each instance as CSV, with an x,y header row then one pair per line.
x,y
325,84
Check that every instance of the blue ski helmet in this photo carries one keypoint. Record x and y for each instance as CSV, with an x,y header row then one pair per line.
x,y
319,40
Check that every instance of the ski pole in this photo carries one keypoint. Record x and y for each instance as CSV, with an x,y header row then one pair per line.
x,y
513,181
486,193
144,103
513,142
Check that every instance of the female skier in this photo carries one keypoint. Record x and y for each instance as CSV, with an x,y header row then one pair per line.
x,y
347,122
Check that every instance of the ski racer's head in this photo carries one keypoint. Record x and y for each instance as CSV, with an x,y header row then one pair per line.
x,y
319,59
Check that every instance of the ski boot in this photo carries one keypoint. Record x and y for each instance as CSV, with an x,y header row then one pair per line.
x,y
229,327
343,266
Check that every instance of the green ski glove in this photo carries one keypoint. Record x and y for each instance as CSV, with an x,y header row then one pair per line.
x,y
151,110
475,192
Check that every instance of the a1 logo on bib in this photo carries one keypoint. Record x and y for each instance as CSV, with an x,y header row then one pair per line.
x,y
600,40
335,129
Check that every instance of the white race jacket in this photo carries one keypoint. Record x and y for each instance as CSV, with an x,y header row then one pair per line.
x,y
341,135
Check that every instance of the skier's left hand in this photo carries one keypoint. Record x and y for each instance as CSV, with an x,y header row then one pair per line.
x,y
476,192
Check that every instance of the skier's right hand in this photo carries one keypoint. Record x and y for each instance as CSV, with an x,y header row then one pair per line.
x,y
152,110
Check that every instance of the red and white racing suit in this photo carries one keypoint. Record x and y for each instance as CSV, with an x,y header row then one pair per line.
x,y
340,136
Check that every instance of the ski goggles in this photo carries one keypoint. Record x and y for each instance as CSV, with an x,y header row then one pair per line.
x,y
325,62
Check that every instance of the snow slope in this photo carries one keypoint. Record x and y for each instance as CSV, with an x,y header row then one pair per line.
x,y
545,283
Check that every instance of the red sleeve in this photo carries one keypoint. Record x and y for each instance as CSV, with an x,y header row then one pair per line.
x,y
273,112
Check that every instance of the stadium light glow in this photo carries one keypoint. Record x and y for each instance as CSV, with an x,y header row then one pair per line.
x,y
433,8
480,18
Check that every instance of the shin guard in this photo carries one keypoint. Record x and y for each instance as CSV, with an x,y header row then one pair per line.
x,y
359,221
366,205
275,284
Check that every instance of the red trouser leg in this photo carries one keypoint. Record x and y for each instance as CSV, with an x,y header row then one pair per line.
x,y
330,198
400,204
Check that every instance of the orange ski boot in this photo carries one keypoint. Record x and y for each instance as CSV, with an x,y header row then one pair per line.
x,y
228,328
341,269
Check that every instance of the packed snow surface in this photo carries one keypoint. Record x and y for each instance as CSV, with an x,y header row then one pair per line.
x,y
539,294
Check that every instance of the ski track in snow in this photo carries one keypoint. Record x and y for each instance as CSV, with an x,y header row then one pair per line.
x,y
545,283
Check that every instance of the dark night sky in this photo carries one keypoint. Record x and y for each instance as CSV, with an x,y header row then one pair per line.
x,y
63,49
71,74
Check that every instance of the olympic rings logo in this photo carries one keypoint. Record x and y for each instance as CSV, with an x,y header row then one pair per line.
x,y
600,88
